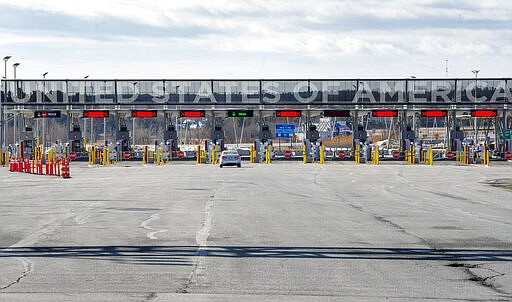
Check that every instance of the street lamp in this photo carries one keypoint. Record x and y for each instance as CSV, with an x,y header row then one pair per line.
x,y
475,72
2,113
44,75
15,65
6,58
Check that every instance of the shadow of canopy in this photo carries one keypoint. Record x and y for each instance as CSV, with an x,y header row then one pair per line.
x,y
184,255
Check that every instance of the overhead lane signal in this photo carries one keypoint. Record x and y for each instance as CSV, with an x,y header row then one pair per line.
x,y
47,114
434,113
240,113
144,113
336,113
192,113
288,113
96,113
484,113
385,113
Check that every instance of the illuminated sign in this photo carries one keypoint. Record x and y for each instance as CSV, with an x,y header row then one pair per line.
x,y
385,113
336,113
434,113
96,113
46,114
195,113
144,113
288,113
484,113
240,113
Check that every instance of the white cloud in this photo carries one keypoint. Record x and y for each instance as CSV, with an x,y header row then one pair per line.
x,y
309,37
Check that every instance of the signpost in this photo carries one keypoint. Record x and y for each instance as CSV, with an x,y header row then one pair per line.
x,y
126,155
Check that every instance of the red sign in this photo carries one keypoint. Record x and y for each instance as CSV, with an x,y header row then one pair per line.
x,y
341,154
396,154
72,155
385,113
287,153
434,113
126,155
508,155
198,113
181,154
144,113
288,113
450,154
96,114
484,113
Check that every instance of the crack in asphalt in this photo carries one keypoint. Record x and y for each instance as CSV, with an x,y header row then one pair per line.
x,y
202,239
484,281
28,269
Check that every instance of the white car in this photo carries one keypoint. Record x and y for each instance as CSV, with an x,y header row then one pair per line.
x,y
230,158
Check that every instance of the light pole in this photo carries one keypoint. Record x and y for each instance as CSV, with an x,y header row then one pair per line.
x,y
14,66
6,58
43,138
2,113
475,72
2,118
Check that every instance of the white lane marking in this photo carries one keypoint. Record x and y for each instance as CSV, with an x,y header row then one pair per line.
x,y
145,225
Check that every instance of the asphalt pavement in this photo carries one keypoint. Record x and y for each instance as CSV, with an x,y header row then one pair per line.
x,y
279,232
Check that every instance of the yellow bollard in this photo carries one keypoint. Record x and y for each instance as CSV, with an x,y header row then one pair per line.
x,y
304,154
198,155
322,155
251,154
431,156
268,155
357,154
376,156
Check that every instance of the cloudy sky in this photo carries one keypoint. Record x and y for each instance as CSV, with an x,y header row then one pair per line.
x,y
256,39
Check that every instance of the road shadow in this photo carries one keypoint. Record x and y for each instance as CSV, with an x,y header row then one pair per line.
x,y
185,255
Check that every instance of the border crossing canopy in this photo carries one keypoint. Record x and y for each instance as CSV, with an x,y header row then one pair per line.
x,y
223,94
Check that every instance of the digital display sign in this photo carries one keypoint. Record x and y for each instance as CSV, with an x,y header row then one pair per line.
x,y
47,114
385,113
144,113
288,113
195,113
96,113
240,113
336,113
434,113
484,113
